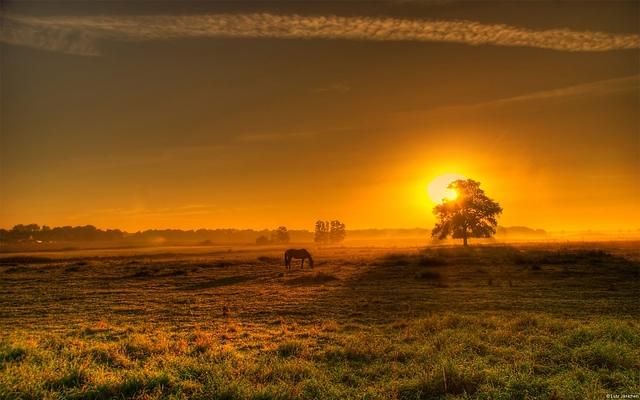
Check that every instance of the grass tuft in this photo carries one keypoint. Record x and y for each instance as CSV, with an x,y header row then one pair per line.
x,y
290,348
12,354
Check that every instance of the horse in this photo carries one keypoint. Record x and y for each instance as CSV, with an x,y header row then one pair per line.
x,y
302,254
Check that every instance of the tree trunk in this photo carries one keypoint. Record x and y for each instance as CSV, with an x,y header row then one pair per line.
x,y
464,240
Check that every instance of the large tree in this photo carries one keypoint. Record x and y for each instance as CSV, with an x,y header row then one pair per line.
x,y
470,214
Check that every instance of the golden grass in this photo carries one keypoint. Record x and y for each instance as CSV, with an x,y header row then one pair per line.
x,y
416,324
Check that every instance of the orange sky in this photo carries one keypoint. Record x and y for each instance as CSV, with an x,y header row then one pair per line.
x,y
124,124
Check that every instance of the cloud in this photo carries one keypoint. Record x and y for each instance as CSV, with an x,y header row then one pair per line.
x,y
67,40
598,88
274,137
141,211
583,90
82,34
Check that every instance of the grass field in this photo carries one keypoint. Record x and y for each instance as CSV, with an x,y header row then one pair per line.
x,y
532,321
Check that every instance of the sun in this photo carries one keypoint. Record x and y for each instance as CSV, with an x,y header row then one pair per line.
x,y
438,190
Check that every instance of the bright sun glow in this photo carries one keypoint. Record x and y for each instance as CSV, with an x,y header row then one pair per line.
x,y
438,190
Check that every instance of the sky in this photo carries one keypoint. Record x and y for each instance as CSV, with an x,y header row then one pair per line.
x,y
138,115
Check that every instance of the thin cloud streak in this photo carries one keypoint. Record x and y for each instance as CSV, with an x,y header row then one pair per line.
x,y
142,212
275,137
598,88
81,35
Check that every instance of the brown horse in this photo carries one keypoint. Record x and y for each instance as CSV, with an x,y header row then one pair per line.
x,y
302,254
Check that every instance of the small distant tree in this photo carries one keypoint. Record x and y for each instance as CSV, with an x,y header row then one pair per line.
x,y
262,240
280,235
470,214
337,232
329,232
321,234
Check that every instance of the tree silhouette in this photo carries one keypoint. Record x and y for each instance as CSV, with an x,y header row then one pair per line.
x,y
280,235
329,232
337,231
470,214
321,234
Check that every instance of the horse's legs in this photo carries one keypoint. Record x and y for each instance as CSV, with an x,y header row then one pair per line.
x,y
302,263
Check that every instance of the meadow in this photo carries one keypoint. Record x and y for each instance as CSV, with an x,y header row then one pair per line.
x,y
550,321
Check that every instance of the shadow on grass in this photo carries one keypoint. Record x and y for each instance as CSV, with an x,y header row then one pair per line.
x,y
509,256
455,279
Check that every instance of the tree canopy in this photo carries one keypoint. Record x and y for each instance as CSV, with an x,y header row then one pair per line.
x,y
330,232
470,214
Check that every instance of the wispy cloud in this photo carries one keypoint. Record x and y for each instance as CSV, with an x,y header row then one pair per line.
x,y
141,212
274,137
598,88
81,35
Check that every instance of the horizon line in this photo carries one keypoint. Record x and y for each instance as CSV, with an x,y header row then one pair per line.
x,y
545,230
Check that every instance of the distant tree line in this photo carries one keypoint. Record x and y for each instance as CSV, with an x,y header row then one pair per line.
x,y
89,233
327,232
35,232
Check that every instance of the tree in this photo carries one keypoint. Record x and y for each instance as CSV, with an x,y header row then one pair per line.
x,y
470,214
329,232
321,234
337,232
30,228
280,235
